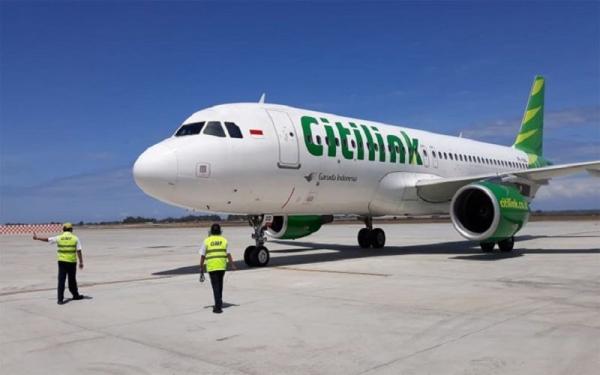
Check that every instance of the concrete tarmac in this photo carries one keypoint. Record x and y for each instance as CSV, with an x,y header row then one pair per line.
x,y
429,303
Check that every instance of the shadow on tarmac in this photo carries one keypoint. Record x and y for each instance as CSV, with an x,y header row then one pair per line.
x,y
225,305
462,250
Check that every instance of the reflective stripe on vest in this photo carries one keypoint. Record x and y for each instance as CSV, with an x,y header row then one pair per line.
x,y
216,253
67,247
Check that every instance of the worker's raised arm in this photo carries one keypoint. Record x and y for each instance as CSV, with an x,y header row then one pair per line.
x,y
35,237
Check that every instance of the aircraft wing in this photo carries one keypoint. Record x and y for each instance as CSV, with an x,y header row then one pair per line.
x,y
443,189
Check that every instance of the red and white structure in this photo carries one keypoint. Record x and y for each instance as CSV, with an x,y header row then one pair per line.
x,y
30,228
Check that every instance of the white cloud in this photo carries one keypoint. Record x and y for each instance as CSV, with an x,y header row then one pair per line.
x,y
572,192
588,117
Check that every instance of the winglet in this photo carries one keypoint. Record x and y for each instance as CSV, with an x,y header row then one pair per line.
x,y
262,98
530,137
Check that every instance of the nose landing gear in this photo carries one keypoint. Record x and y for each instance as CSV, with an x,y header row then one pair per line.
x,y
369,237
258,255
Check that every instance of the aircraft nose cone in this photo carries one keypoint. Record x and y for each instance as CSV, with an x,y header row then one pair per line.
x,y
155,170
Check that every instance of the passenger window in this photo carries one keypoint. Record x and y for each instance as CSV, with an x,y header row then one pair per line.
x,y
450,156
337,142
353,144
214,128
318,139
433,153
190,129
233,130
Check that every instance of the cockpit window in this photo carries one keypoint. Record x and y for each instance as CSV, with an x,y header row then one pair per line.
x,y
190,129
214,128
233,130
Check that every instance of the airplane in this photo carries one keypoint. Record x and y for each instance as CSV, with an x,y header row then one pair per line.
x,y
290,170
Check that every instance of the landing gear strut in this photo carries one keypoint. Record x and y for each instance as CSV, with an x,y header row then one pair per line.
x,y
258,255
369,237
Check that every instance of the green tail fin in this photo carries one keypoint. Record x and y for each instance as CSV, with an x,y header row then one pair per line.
x,y
530,137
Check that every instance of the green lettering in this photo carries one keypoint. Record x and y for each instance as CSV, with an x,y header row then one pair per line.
x,y
360,155
370,142
413,149
396,145
331,148
380,143
346,152
313,148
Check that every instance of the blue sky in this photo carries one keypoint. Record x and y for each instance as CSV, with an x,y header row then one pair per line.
x,y
85,87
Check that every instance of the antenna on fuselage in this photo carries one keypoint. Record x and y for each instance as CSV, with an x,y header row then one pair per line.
x,y
262,98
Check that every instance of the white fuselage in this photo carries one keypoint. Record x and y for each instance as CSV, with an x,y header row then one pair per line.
x,y
275,172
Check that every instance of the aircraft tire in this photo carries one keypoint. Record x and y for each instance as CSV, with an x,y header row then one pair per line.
x,y
507,244
260,256
248,255
377,238
364,238
486,247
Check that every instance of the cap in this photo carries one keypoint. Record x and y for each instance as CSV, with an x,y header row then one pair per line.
x,y
67,226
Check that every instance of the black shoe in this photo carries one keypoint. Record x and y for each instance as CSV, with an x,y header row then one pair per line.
x,y
77,298
217,310
60,302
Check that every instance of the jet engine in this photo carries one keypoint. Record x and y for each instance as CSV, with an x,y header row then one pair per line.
x,y
292,227
488,212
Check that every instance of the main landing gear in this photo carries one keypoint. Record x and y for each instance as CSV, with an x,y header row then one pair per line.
x,y
257,256
504,245
369,237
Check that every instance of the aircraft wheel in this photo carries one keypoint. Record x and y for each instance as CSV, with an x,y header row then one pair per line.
x,y
486,247
364,238
248,256
377,238
507,244
260,256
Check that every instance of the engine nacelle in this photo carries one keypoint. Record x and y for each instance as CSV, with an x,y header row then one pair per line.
x,y
292,227
488,212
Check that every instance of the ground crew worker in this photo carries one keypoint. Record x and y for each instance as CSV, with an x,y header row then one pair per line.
x,y
69,250
216,257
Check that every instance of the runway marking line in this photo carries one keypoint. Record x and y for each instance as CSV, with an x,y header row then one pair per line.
x,y
331,271
86,285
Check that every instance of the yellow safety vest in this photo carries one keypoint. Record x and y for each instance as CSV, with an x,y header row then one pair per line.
x,y
67,247
216,253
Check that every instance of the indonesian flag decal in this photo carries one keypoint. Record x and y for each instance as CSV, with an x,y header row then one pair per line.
x,y
256,133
